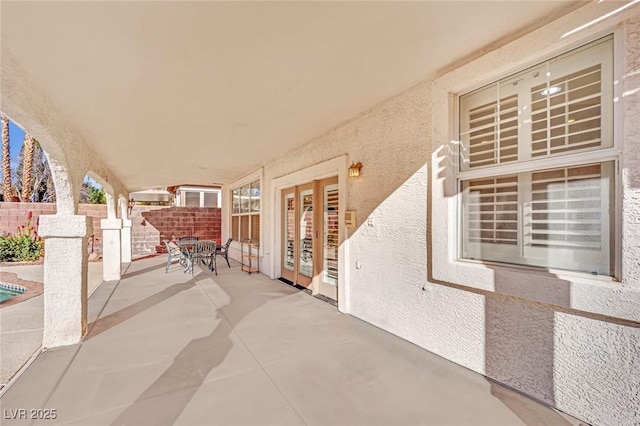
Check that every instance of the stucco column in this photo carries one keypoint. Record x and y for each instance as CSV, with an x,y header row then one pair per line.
x,y
126,240
111,249
65,278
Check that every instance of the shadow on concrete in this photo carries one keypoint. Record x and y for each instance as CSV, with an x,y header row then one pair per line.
x,y
166,398
118,317
149,269
527,410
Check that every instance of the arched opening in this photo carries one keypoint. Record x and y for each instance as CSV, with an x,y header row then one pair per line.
x,y
21,284
93,204
26,176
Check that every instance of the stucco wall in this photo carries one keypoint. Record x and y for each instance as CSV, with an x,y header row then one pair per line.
x,y
574,344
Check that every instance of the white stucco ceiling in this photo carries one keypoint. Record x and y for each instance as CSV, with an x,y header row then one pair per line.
x,y
172,92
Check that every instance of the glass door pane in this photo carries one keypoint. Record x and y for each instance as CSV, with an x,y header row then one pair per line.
x,y
306,233
289,232
330,235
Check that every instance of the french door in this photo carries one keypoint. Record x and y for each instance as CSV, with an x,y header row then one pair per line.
x,y
310,221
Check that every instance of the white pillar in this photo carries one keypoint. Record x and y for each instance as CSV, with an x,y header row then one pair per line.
x,y
126,240
111,249
65,278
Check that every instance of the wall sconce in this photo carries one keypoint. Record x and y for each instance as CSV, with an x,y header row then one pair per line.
x,y
354,169
132,204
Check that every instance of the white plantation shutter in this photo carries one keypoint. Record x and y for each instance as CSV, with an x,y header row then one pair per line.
x,y
489,131
331,226
566,208
567,219
559,217
492,133
491,218
492,207
569,118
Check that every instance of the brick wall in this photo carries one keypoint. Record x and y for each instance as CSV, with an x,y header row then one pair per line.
x,y
150,224
13,215
96,212
144,236
173,222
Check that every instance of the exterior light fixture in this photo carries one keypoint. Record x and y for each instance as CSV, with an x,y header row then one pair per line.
x,y
132,204
354,169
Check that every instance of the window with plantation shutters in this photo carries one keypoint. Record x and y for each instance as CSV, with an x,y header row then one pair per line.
x,y
536,165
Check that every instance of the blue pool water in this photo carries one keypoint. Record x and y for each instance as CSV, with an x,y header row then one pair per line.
x,y
7,293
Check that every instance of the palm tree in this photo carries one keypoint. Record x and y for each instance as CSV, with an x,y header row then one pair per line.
x,y
6,160
27,166
42,189
45,191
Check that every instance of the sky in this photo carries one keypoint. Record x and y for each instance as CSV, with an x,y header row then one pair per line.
x,y
16,139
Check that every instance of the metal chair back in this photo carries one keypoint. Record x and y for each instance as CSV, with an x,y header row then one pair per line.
x,y
187,239
174,252
224,251
205,251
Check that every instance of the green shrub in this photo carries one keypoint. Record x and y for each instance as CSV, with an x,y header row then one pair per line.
x,y
25,245
19,248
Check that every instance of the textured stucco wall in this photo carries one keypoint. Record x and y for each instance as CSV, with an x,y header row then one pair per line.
x,y
566,339
631,159
571,342
389,140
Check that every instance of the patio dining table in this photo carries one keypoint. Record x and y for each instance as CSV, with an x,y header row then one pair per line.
x,y
191,248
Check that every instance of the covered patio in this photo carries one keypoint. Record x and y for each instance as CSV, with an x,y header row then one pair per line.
x,y
492,223
237,349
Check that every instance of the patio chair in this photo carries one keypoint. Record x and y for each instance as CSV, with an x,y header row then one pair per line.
x,y
224,251
205,251
187,239
187,249
174,253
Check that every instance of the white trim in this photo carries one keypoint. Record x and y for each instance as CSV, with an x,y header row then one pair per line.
x,y
546,53
567,160
618,123
248,178
198,188
335,167
256,175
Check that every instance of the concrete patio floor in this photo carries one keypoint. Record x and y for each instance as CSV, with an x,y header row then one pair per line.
x,y
235,349
21,324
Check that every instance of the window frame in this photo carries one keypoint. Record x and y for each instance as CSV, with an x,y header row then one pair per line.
x,y
251,211
596,295
183,190
526,164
